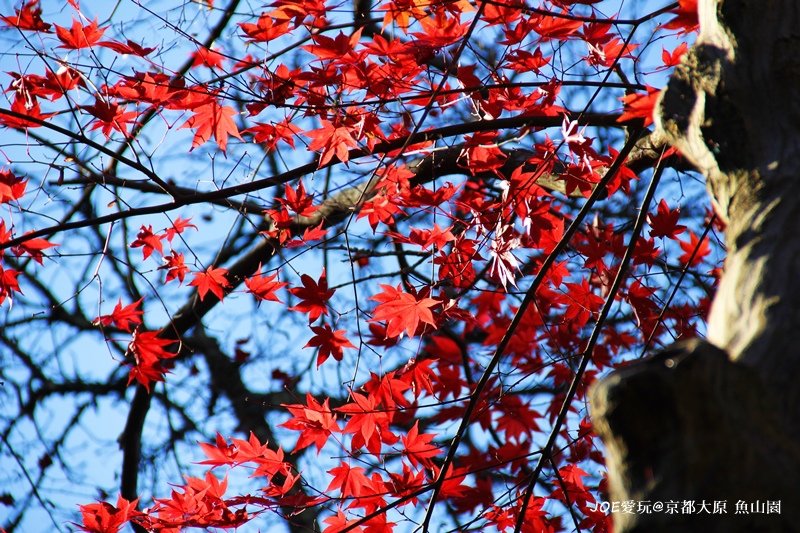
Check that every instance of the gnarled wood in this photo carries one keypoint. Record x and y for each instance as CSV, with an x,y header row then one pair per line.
x,y
689,425
723,422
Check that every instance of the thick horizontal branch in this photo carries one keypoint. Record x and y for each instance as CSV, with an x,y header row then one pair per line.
x,y
459,91
567,16
145,186
518,122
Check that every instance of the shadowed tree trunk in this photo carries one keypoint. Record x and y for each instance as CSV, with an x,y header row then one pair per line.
x,y
718,420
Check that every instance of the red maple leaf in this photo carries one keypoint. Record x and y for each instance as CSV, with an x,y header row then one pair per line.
x,y
550,27
129,48
8,283
456,267
282,495
421,196
332,140
33,248
340,48
5,234
148,351
400,13
124,318
314,296
703,249
175,267
264,287
596,32
436,236
572,476
199,501
537,519
524,61
212,120
665,222
12,187
340,522
388,389
265,29
646,252
282,222
314,421
62,80
207,57
672,59
481,153
297,200
418,447
102,517
453,479
110,116
179,225
219,453
270,134
29,17
309,235
440,30
608,53
419,374
406,483
501,518
622,179
191,98
148,241
26,108
152,87
79,36
209,488
53,85
402,311
329,343
638,105
381,209
644,308
212,280
368,423
269,462
351,481
516,418
581,302
686,17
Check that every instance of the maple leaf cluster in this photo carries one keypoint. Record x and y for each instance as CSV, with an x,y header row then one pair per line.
x,y
12,188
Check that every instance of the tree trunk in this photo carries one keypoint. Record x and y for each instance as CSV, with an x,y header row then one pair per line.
x,y
718,420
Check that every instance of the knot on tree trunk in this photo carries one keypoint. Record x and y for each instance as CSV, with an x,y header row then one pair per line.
x,y
697,115
689,425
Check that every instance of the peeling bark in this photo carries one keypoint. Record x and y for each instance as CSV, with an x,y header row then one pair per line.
x,y
720,421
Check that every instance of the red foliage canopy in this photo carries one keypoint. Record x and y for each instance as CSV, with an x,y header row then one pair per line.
x,y
418,237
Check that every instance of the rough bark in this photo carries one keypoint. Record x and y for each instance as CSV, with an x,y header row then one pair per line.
x,y
718,420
